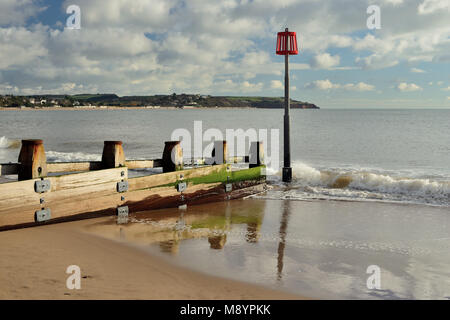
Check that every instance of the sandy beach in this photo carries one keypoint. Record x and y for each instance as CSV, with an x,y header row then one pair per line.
x,y
241,249
34,261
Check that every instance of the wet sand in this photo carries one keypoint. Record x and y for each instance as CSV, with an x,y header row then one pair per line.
x,y
295,249
34,260
319,249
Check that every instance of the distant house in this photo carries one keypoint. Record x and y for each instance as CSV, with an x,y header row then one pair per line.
x,y
43,101
32,100
76,103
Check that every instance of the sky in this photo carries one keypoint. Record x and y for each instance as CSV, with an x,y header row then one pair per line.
x,y
227,47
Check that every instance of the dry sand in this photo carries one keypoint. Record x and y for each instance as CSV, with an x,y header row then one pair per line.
x,y
34,261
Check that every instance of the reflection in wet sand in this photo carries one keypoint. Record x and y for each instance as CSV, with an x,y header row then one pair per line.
x,y
317,249
168,228
282,243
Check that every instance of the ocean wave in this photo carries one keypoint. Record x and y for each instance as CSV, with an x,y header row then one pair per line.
x,y
358,184
6,143
55,156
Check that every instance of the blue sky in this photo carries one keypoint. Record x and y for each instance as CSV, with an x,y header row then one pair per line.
x,y
227,47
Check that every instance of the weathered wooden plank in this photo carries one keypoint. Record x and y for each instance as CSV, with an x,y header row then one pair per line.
x,y
69,208
18,193
164,197
74,166
142,164
9,168
172,177
79,187
24,215
97,165
84,179
81,193
21,189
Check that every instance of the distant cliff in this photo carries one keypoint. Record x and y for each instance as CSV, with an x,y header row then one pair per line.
x,y
173,100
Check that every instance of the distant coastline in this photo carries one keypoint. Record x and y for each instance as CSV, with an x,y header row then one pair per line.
x,y
173,101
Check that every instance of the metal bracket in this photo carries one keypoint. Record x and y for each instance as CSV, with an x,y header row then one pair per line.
x,y
43,215
42,186
122,211
181,186
228,187
122,186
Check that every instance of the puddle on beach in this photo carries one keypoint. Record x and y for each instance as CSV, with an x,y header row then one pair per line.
x,y
319,249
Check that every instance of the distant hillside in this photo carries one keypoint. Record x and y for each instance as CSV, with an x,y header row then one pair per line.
x,y
173,100
95,97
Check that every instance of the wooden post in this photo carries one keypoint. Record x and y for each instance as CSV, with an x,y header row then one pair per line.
x,y
256,154
113,155
217,242
32,160
220,152
172,156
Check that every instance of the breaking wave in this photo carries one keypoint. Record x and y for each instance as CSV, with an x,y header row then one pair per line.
x,y
6,143
358,184
55,156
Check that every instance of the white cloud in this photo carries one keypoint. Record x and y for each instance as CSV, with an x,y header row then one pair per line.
x,y
21,47
417,70
361,86
251,87
276,84
431,6
230,86
327,85
446,89
376,61
394,2
16,12
408,87
161,46
322,85
324,61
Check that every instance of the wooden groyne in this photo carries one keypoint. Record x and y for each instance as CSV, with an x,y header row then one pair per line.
x,y
60,191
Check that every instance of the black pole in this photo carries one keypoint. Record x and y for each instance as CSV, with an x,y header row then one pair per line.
x,y
287,170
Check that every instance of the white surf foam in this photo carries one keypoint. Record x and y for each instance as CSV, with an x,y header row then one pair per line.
x,y
6,143
361,184
55,156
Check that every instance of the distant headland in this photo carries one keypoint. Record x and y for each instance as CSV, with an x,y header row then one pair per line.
x,y
182,101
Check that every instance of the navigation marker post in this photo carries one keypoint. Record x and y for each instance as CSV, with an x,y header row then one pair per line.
x,y
287,45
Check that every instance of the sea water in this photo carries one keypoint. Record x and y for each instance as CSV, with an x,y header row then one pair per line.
x,y
400,156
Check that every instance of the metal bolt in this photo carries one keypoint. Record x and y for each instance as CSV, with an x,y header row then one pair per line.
x,y
41,200
122,198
